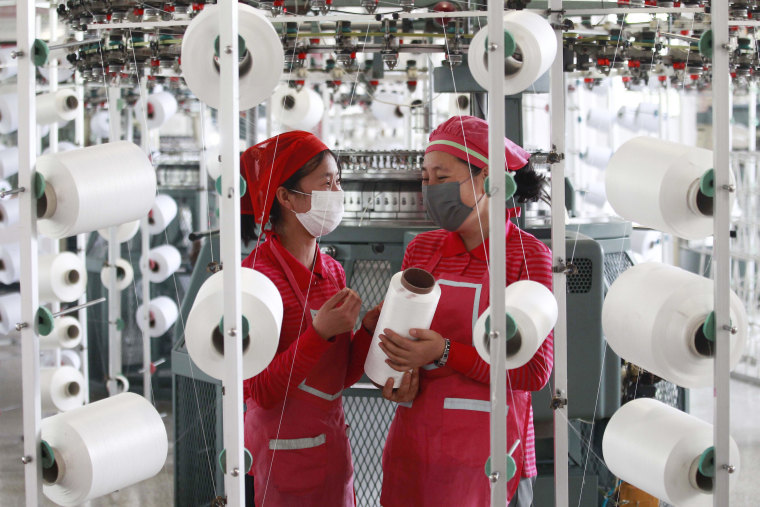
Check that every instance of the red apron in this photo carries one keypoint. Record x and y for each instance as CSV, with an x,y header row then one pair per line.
x,y
309,462
437,448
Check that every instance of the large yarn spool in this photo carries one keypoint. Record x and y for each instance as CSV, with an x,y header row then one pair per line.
x,y
658,449
532,313
62,277
93,188
260,65
297,109
663,185
102,447
654,316
534,47
261,308
410,302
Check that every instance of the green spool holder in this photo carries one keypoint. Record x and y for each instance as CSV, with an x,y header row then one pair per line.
x,y
47,455
510,186
40,52
247,460
44,322
510,46
708,327
707,462
705,44
39,185
511,467
243,186
511,326
120,325
707,183
241,46
246,326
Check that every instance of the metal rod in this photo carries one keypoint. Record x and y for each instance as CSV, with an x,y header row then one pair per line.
x,y
629,10
137,26
145,251
193,236
13,191
559,258
79,307
497,254
74,43
229,126
30,348
114,248
679,37
721,268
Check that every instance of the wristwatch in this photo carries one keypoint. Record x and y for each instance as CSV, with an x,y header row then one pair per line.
x,y
445,356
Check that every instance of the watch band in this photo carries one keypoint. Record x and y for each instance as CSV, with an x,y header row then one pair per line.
x,y
445,356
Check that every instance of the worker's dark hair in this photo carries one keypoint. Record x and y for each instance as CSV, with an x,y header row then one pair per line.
x,y
248,223
530,183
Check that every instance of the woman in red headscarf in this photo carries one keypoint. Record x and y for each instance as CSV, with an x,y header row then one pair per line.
x,y
294,422
438,444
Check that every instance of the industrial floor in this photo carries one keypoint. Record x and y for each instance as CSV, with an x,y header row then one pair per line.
x,y
158,491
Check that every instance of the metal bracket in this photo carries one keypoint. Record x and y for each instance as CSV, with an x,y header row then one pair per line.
x,y
565,267
732,329
729,468
558,401
214,267
219,501
730,188
26,459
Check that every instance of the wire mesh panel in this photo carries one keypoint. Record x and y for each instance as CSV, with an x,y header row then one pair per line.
x,y
369,418
614,265
196,411
370,278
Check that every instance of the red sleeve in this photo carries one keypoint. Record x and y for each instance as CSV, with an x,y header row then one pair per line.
x,y
287,370
360,342
534,374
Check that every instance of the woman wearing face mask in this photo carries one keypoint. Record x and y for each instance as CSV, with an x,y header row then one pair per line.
x,y
294,423
438,445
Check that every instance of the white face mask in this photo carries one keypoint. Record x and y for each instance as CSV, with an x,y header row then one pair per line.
x,y
325,214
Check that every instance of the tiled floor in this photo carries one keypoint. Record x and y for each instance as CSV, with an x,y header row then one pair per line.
x,y
158,491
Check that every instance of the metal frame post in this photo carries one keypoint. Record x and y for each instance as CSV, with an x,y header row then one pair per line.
x,y
229,128
114,247
559,260
30,347
497,255
144,261
721,254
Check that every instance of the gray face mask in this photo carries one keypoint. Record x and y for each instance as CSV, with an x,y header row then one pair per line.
x,y
444,204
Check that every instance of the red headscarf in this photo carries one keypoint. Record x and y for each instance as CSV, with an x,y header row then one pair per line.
x,y
269,164
466,137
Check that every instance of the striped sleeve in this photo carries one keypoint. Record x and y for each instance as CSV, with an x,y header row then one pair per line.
x,y
270,387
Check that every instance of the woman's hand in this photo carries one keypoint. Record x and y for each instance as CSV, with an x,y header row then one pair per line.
x,y
407,391
371,317
405,354
338,314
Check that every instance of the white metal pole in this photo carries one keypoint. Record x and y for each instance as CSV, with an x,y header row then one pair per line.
x,y
114,247
145,250
82,238
557,93
229,128
721,259
53,75
751,180
203,211
30,347
497,281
